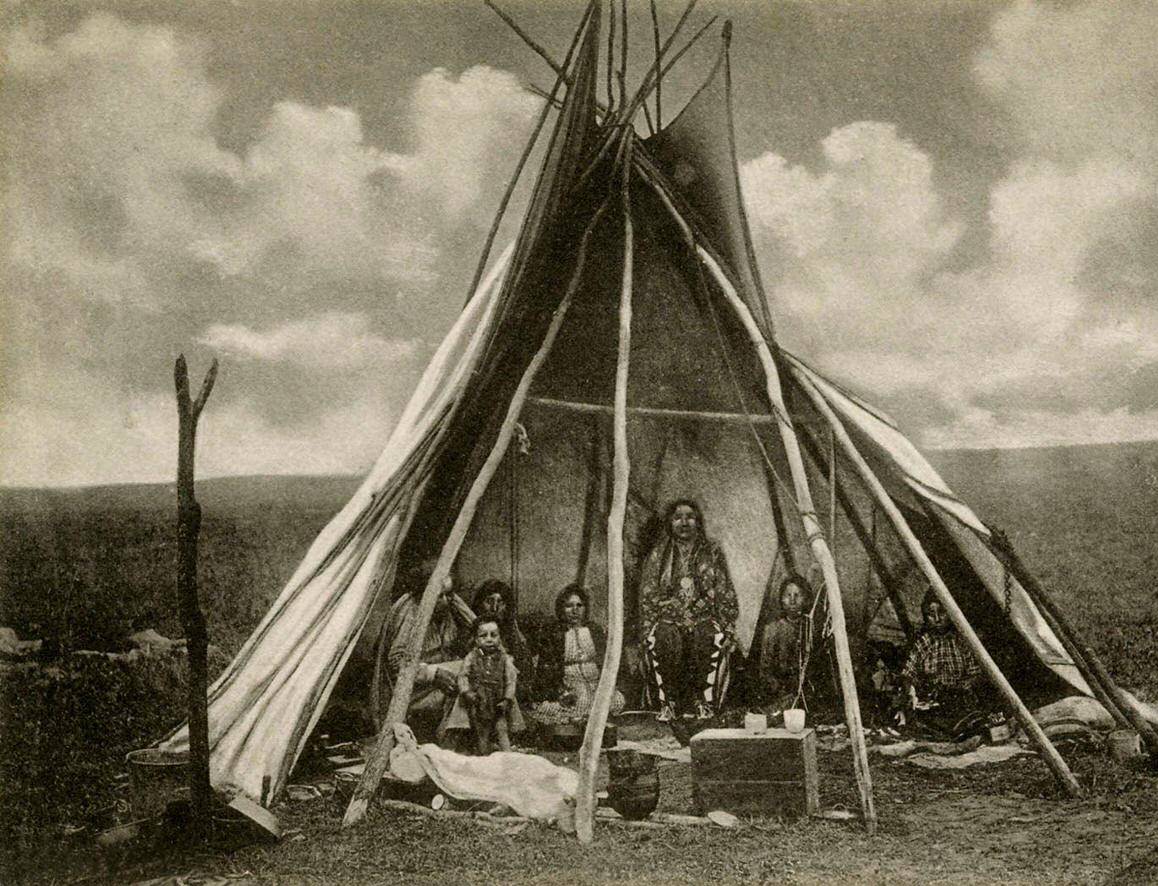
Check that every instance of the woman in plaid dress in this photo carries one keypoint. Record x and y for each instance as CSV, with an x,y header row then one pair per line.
x,y
943,680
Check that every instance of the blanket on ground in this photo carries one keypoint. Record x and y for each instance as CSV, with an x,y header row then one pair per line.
x,y
531,786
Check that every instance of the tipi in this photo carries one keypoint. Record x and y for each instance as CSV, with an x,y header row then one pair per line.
x,y
626,338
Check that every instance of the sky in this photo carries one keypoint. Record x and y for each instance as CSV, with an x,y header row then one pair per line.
x,y
955,209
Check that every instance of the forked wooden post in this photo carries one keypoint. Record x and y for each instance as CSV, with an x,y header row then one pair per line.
x,y
1052,758
192,618
379,758
605,691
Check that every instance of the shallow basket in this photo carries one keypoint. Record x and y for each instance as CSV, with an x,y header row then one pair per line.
x,y
156,778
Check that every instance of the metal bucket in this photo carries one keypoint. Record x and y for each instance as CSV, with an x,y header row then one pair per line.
x,y
633,789
156,778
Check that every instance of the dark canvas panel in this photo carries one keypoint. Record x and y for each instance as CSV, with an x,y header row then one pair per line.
x,y
683,349
696,153
544,260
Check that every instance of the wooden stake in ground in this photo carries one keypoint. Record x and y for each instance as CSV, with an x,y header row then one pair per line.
x,y
812,529
192,619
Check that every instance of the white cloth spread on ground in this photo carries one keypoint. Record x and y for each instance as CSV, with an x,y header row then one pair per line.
x,y
530,785
990,753
947,755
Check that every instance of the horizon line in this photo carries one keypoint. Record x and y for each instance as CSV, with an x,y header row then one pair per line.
x,y
359,475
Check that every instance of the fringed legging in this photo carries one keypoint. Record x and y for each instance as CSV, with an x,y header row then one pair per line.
x,y
688,665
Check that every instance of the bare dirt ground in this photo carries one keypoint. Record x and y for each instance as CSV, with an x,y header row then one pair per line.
x,y
1004,823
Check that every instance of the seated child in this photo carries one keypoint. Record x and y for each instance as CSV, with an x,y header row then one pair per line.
x,y
784,645
486,691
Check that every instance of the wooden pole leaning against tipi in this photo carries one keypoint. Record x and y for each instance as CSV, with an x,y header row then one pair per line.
x,y
624,115
658,59
820,550
812,528
621,467
379,759
1049,753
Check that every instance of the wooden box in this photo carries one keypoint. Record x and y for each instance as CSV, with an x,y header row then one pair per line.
x,y
772,773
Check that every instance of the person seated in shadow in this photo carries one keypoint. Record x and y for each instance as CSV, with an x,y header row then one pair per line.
x,y
688,610
570,662
495,599
785,645
443,646
945,688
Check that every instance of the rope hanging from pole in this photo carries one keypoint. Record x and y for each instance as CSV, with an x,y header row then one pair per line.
x,y
521,447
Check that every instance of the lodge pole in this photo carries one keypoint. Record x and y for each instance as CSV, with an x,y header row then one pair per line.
x,y
605,690
812,528
621,72
1049,753
560,79
379,759
823,555
610,55
192,618
1001,549
624,115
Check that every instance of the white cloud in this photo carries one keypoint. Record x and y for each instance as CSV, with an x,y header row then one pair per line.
x,y
465,128
860,236
332,341
121,176
128,221
860,245
1045,217
112,118
309,182
1076,80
